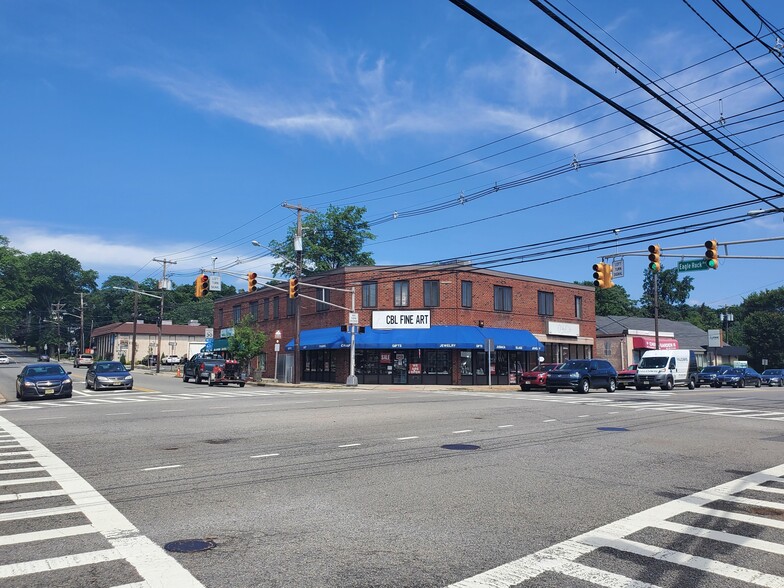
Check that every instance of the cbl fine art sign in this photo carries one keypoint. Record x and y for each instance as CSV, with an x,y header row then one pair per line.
x,y
401,319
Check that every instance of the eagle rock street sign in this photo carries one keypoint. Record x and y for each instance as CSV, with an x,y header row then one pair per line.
x,y
692,265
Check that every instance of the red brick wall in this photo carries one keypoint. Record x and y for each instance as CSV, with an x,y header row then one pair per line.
x,y
524,314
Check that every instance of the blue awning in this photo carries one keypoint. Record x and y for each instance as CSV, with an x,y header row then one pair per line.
x,y
436,337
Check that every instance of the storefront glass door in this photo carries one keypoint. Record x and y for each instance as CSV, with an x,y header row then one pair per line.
x,y
399,368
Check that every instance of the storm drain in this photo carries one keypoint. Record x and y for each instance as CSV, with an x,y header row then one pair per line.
x,y
189,545
460,447
611,429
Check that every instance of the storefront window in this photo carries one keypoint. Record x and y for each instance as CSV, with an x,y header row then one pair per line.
x,y
436,362
466,369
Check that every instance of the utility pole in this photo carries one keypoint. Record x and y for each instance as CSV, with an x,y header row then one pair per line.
x,y
135,320
298,273
81,319
163,285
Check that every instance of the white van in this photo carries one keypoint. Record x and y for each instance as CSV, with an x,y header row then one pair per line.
x,y
667,369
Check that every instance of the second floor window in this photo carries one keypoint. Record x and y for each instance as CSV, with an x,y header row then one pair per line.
x,y
578,307
266,309
401,293
546,303
466,294
289,307
432,293
275,308
502,298
369,294
236,312
322,294
254,310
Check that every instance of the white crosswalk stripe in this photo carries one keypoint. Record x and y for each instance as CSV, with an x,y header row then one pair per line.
x,y
116,545
562,558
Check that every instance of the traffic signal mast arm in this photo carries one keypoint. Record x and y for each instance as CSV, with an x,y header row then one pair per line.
x,y
701,246
285,288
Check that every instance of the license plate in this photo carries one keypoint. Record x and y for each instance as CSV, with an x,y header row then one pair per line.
x,y
116,383
528,381
49,391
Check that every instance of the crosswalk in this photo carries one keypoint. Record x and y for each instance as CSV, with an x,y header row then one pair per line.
x,y
722,536
57,530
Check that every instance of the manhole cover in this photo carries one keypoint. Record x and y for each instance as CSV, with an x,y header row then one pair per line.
x,y
460,447
189,545
611,429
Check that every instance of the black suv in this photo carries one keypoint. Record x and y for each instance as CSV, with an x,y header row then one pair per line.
x,y
583,374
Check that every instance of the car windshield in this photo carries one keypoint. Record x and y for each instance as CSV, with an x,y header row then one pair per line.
x,y
632,368
713,369
545,367
736,371
576,365
45,370
109,367
771,373
653,362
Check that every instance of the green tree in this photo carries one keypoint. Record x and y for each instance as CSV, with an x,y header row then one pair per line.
x,y
702,316
673,294
246,342
330,240
613,301
763,334
15,296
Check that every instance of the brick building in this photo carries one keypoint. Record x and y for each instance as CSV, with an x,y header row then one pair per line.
x,y
423,324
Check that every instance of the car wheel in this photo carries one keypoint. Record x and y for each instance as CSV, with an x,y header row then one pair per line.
x,y
741,383
242,384
781,382
692,385
18,396
87,384
585,386
185,378
552,390
197,379
612,385
758,384
668,385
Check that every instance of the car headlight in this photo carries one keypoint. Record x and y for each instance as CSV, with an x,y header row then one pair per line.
x,y
128,377
103,379
67,381
574,375
28,384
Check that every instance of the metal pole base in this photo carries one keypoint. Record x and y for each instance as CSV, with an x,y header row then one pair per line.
x,y
352,381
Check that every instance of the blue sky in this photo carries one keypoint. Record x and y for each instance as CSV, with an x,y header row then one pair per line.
x,y
177,129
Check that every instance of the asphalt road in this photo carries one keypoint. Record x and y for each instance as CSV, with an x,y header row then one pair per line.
x,y
384,487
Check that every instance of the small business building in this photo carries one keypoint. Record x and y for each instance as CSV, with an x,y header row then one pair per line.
x,y
114,341
622,340
432,324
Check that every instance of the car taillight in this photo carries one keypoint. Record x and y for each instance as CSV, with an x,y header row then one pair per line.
x,y
201,367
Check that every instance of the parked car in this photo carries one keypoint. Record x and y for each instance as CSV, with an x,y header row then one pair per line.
x,y
149,360
170,360
537,377
740,378
772,377
709,374
583,374
108,374
83,359
200,366
43,380
43,357
4,358
626,377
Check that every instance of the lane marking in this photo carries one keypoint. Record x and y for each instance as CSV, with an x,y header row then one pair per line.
x,y
351,445
59,563
30,495
51,418
504,426
407,438
166,467
22,470
50,534
463,431
265,455
723,536
26,481
549,421
38,513
117,413
174,410
560,557
583,416
4,461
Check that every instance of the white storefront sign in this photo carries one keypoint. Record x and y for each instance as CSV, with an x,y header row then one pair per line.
x,y
401,319
714,337
563,329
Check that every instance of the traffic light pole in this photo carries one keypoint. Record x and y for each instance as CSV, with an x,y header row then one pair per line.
x,y
656,307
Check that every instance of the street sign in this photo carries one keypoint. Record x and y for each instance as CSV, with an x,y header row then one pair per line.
x,y
215,283
692,265
353,318
617,268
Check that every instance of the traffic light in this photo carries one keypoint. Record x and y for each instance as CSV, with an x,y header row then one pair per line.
x,y
202,285
712,253
293,287
602,275
653,257
252,282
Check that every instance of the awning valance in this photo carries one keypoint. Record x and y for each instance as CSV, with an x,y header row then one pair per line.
x,y
650,343
437,337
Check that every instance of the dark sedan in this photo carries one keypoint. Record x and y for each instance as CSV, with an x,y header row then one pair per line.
x,y
773,378
740,378
710,374
43,380
108,374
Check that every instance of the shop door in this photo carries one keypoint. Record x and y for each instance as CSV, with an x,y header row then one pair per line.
x,y
400,368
